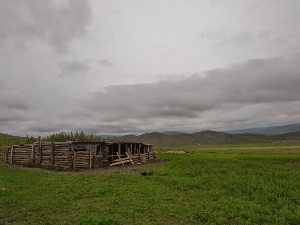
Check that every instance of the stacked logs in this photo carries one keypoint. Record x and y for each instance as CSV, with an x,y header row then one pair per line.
x,y
43,154
19,154
151,156
105,155
3,152
83,159
56,154
136,159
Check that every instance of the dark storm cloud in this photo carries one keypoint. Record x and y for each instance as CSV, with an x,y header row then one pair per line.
x,y
258,83
52,21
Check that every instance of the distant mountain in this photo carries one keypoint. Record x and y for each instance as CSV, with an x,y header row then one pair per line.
x,y
171,132
204,137
273,130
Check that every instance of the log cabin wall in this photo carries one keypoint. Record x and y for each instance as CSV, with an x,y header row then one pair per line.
x,y
78,155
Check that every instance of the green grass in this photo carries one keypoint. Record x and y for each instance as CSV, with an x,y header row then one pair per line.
x,y
11,142
207,185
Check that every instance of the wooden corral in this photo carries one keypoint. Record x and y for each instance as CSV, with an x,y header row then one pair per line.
x,y
79,155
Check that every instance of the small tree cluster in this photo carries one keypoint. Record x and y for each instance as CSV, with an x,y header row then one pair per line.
x,y
30,139
75,136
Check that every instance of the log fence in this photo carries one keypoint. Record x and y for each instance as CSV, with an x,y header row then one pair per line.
x,y
77,155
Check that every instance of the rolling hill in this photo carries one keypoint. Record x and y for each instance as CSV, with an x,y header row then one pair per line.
x,y
273,130
204,137
207,137
178,138
6,139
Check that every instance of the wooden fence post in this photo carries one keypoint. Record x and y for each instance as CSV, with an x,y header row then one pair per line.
x,y
6,155
90,164
74,155
40,149
32,153
12,154
52,155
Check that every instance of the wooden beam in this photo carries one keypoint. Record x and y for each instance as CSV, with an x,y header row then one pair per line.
x,y
74,155
130,158
90,164
12,154
52,153
6,156
40,149
120,158
116,163
32,153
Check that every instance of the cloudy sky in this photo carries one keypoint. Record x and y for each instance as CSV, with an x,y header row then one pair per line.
x,y
132,66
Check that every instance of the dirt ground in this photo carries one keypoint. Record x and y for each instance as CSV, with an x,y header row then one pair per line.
x,y
127,168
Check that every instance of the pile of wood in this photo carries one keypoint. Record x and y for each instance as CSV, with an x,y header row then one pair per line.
x,y
123,160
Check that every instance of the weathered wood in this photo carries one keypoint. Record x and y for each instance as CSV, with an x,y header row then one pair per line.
x,y
90,159
11,154
63,154
40,149
74,154
130,158
52,155
116,163
120,158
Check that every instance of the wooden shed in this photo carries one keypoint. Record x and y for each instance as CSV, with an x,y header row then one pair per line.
x,y
74,155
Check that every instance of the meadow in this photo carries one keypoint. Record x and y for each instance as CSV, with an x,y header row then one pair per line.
x,y
209,184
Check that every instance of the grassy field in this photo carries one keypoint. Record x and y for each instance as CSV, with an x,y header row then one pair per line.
x,y
216,184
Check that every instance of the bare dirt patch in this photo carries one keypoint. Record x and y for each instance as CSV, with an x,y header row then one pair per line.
x,y
127,168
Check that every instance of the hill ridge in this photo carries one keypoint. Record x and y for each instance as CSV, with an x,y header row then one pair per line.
x,y
207,137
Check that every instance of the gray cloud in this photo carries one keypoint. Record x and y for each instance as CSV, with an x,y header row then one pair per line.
x,y
51,21
13,105
73,67
105,62
244,38
257,92
259,85
125,87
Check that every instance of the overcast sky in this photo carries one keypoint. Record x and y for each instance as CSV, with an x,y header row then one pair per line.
x,y
132,66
